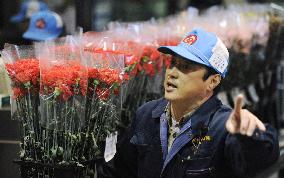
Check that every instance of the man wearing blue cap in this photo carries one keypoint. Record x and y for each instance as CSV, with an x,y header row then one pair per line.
x,y
28,8
12,32
189,132
44,25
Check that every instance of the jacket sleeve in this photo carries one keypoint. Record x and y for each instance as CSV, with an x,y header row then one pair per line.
x,y
248,155
124,163
125,160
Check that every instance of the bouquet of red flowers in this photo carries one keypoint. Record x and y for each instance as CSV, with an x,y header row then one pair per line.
x,y
105,78
144,65
23,70
63,86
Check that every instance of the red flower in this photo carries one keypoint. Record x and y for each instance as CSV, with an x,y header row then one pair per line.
x,y
116,92
83,83
93,73
18,93
66,91
23,77
125,77
151,60
155,55
167,60
104,81
69,79
24,74
131,60
149,69
23,71
147,51
103,93
109,76
10,69
173,41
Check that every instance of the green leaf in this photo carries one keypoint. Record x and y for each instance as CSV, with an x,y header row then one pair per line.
x,y
79,138
74,137
94,140
22,153
27,85
53,152
80,165
77,81
115,85
60,151
145,59
96,82
57,91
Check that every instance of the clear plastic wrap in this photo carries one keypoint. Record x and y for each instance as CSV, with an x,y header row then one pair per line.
x,y
23,70
63,86
105,78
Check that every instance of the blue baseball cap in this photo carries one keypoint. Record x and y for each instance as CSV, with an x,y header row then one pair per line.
x,y
27,9
202,47
44,25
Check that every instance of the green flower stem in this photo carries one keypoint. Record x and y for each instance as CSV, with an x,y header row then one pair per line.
x,y
71,130
47,130
89,122
66,149
30,125
23,133
98,106
34,136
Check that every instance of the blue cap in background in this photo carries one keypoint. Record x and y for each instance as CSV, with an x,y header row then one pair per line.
x,y
44,25
202,47
27,9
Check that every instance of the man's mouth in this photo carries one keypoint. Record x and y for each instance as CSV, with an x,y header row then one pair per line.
x,y
171,85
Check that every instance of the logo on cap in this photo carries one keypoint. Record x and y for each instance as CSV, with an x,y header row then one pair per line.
x,y
190,39
40,23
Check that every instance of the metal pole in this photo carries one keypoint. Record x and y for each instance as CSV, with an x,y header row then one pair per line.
x,y
84,10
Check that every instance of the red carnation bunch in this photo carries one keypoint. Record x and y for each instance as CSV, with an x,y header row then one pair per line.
x,y
24,74
132,63
166,59
64,80
132,59
104,81
151,60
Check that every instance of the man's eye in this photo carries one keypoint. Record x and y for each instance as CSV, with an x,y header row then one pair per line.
x,y
173,63
186,67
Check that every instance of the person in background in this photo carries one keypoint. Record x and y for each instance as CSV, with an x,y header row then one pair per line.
x,y
28,8
189,132
12,32
44,25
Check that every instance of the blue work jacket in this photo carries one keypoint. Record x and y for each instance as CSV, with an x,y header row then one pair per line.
x,y
203,147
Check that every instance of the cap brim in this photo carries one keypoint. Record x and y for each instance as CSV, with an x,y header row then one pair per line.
x,y
181,51
40,36
17,18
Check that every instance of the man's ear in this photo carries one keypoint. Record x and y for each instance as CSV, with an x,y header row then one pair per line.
x,y
214,81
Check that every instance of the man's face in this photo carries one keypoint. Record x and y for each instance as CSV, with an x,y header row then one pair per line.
x,y
184,81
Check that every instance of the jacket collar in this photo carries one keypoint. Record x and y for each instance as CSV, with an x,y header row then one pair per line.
x,y
160,108
202,116
198,118
198,122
